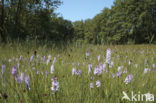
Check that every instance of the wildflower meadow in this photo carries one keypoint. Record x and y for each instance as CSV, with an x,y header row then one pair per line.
x,y
84,74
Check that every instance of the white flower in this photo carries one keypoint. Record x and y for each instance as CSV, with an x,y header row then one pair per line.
x,y
49,59
18,65
98,57
113,75
74,71
153,66
21,57
136,65
119,68
98,71
79,72
9,60
130,62
54,60
44,59
104,67
98,83
55,84
32,58
22,76
146,70
108,56
87,53
128,79
112,63
52,69
91,85
89,68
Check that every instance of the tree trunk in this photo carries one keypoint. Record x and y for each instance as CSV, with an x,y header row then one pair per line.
x,y
17,19
2,22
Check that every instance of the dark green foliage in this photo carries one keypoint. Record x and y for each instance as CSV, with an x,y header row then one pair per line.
x,y
128,21
33,20
79,30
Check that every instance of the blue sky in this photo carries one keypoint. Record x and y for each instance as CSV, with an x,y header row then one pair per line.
x,y
82,9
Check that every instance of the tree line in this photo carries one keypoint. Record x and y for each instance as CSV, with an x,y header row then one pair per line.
x,y
33,20
126,22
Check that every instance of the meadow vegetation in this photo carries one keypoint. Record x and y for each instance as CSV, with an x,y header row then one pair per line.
x,y
74,69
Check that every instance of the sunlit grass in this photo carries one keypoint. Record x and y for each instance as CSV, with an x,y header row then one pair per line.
x,y
74,88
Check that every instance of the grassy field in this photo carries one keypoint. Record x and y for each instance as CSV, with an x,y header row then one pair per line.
x,y
77,85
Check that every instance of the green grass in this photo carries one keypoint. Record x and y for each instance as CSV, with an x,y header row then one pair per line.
x,y
75,89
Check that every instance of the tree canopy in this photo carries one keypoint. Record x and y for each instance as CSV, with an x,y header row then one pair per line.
x,y
126,22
